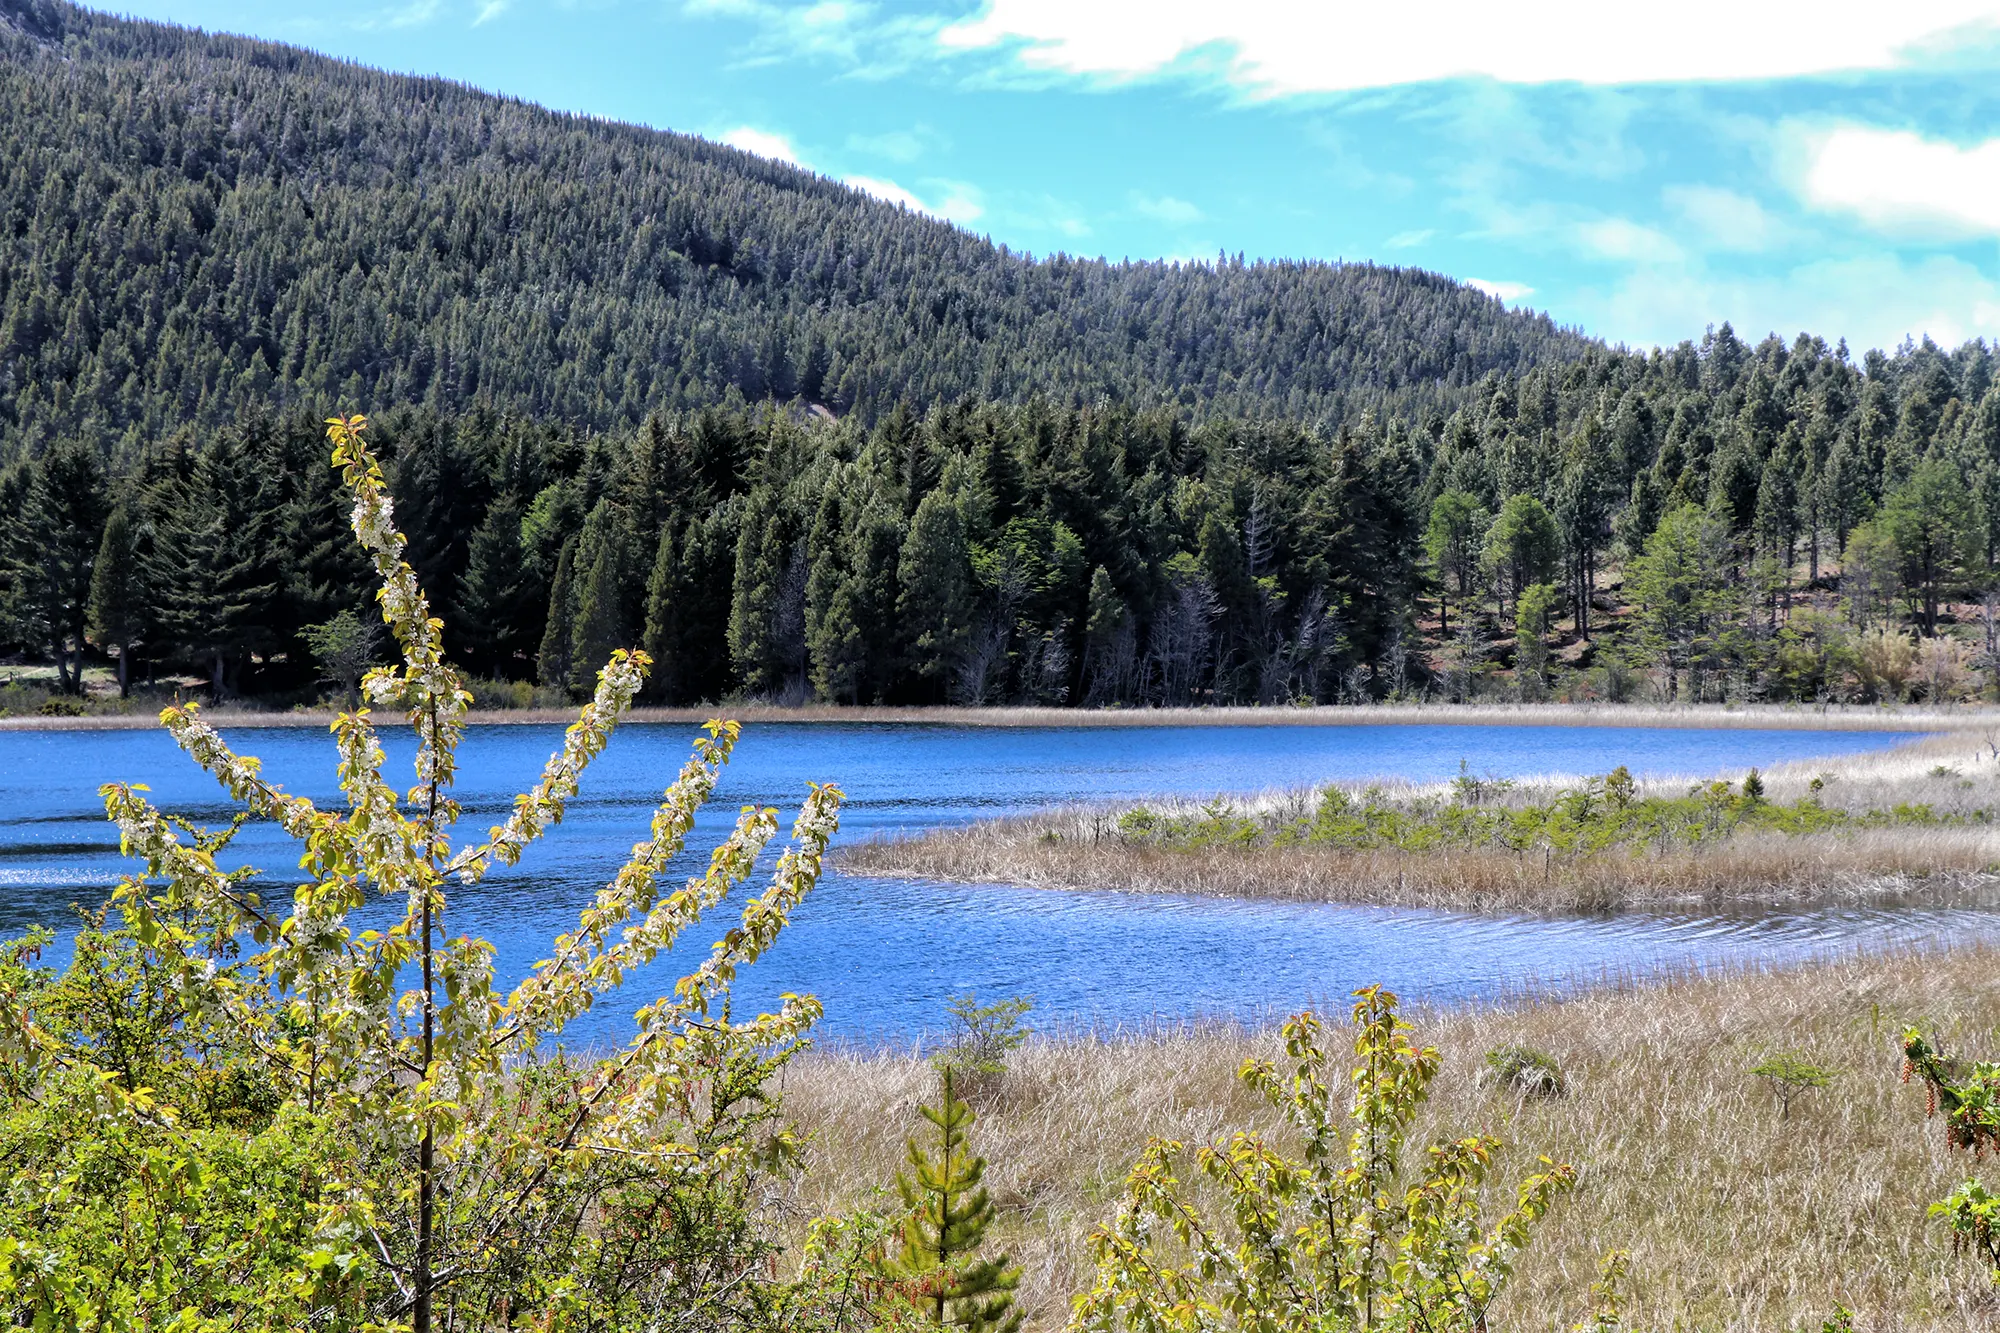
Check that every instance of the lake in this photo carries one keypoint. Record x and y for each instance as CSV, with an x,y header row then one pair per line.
x,y
886,955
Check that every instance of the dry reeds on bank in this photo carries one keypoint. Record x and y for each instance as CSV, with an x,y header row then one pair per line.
x,y
1934,843
1737,1220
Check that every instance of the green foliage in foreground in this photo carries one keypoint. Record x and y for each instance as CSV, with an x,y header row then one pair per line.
x,y
1339,1234
1602,815
1969,1100
242,1110
949,1211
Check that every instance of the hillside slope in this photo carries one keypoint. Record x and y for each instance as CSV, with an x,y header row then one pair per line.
x,y
189,223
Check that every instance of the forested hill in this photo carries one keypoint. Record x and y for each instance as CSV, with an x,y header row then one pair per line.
x,y
189,223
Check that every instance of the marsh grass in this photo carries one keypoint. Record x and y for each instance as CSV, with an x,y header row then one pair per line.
x,y
1737,1220
1911,824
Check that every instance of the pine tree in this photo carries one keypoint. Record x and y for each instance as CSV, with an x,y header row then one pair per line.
x,y
552,662
660,636
936,605
494,612
950,1211
599,627
836,621
55,543
212,565
1453,540
756,606
117,596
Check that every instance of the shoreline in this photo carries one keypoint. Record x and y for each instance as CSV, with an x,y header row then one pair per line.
x,y
1247,848
1685,717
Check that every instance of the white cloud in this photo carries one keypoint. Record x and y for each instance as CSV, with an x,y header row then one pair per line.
x,y
1871,300
1722,219
887,191
414,14
896,145
764,144
492,9
1283,46
1626,241
1505,291
1409,240
961,202
1898,181
1165,208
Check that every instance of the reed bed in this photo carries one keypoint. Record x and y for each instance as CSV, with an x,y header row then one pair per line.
x,y
1928,858
1736,1220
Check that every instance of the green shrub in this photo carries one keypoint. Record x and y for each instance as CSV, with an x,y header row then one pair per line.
x,y
1524,1070
1790,1077
243,1109
1968,1097
489,695
1340,1235
982,1037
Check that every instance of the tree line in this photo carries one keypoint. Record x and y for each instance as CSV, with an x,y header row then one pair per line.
x,y
192,225
1710,521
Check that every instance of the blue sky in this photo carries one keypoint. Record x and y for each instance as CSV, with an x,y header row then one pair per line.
x,y
1831,167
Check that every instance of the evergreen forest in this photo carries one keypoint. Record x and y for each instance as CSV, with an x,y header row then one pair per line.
x,y
190,224
635,388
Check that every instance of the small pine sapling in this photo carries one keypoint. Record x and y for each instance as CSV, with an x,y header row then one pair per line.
x,y
1969,1101
1607,1295
938,1260
1791,1077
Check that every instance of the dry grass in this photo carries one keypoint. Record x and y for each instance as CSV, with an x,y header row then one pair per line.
x,y
1079,848
1735,1220
1785,717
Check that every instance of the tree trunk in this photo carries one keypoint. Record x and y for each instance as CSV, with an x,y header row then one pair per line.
x,y
124,671
215,681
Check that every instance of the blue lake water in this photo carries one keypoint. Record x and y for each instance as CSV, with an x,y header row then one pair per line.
x,y
886,955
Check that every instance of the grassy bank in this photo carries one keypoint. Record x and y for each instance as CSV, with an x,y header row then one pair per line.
x,y
1968,717
1737,1220
1916,823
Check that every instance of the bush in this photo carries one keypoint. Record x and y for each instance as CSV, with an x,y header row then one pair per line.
x,y
63,705
310,1124
1524,1070
983,1035
1791,1077
1968,1097
490,695
1342,1236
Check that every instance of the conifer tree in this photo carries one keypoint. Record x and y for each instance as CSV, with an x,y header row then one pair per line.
x,y
211,567
552,663
763,556
493,601
660,637
936,605
599,627
55,544
950,1211
117,598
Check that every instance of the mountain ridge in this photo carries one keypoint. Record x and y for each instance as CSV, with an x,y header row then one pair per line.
x,y
245,221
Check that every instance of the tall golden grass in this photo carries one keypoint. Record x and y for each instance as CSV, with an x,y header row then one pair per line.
x,y
1080,848
1737,1221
